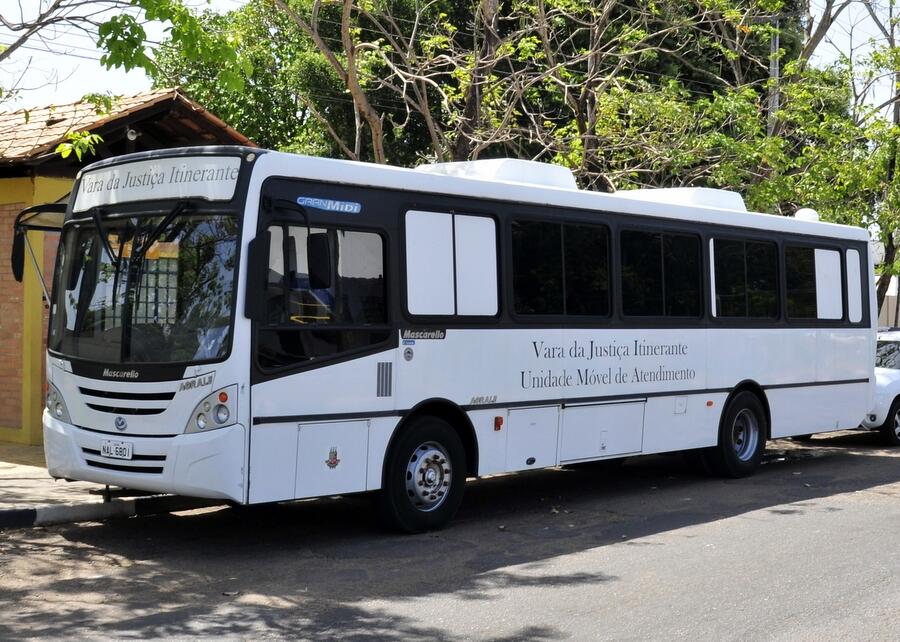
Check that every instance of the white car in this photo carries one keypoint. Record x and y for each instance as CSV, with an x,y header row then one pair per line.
x,y
885,416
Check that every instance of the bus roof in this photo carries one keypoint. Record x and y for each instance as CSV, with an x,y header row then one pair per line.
x,y
504,189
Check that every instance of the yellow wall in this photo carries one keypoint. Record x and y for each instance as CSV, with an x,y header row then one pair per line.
x,y
31,191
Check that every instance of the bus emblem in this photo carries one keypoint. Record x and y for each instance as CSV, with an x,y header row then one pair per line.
x,y
121,423
332,460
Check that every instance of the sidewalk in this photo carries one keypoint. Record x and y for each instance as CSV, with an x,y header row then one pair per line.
x,y
30,497
25,483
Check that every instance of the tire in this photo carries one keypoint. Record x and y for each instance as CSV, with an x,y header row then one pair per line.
x,y
424,477
890,429
742,438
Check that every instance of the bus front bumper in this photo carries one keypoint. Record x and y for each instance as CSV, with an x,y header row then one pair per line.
x,y
209,465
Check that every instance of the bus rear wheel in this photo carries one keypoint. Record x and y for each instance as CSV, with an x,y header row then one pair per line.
x,y
742,438
425,473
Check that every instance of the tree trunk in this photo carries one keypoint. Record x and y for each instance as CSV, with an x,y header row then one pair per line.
x,y
890,246
471,113
890,254
368,113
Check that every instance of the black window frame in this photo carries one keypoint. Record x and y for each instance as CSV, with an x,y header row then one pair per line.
x,y
780,283
455,319
817,321
562,319
388,326
703,267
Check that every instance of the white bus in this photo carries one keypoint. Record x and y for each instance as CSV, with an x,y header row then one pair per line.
x,y
259,327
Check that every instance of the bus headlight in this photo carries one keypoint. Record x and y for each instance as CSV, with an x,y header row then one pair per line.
x,y
56,405
214,411
222,414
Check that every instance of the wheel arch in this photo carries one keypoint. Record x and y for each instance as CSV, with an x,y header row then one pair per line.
x,y
453,415
748,385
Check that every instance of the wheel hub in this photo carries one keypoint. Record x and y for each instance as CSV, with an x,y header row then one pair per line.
x,y
745,434
428,476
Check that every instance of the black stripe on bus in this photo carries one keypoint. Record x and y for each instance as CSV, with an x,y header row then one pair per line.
x,y
97,453
153,470
277,419
815,383
143,396
125,411
125,434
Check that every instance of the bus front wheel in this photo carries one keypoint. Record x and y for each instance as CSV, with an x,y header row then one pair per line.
x,y
742,437
425,473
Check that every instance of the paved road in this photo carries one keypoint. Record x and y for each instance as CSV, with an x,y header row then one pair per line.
x,y
805,550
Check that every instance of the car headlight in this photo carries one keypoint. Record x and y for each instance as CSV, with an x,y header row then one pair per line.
x,y
215,411
56,405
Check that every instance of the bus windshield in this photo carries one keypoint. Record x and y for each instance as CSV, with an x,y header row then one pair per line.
x,y
146,289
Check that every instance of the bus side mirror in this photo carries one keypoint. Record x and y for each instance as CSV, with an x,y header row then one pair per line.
x,y
257,276
318,253
17,258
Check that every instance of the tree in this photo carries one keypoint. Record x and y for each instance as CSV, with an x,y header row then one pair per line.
x,y
719,93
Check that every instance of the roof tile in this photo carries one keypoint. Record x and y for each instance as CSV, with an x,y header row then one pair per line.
x,y
26,133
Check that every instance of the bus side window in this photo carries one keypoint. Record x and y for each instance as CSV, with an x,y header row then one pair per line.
x,y
660,274
451,264
854,287
800,271
476,265
537,267
429,263
586,270
829,294
309,319
746,279
560,268
814,283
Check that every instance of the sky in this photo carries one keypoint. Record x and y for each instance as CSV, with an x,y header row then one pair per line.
x,y
65,67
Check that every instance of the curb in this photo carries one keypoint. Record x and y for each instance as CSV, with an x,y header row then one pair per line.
x,y
72,513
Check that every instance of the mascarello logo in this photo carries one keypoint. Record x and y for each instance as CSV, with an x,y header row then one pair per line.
x,y
121,374
345,207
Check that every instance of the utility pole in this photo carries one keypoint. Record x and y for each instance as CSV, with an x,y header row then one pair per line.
x,y
774,77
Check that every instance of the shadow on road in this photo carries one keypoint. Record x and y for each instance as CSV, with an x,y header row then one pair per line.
x,y
321,569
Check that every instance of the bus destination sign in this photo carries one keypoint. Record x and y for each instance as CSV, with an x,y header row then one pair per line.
x,y
212,178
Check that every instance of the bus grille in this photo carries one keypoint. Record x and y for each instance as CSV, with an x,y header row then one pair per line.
x,y
133,465
116,403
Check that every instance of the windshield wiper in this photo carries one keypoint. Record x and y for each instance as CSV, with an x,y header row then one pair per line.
x,y
179,208
98,223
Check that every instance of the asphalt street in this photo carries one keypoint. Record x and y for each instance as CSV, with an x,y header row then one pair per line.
x,y
807,549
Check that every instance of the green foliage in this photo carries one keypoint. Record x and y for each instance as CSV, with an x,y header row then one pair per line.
x,y
103,103
283,77
79,143
654,93
124,40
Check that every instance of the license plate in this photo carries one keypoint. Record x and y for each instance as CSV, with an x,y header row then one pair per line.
x,y
116,449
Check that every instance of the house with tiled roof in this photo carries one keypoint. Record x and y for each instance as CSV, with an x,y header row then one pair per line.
x,y
32,173
152,120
